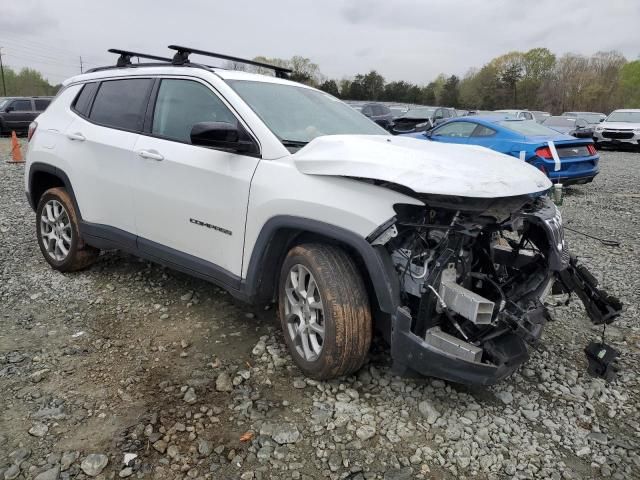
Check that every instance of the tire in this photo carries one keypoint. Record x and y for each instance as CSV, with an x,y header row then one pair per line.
x,y
56,237
343,313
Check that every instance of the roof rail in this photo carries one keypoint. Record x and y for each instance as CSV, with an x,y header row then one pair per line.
x,y
125,57
182,56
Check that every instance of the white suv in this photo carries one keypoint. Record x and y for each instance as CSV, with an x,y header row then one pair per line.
x,y
278,191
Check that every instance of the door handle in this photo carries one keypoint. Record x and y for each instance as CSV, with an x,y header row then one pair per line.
x,y
152,155
76,136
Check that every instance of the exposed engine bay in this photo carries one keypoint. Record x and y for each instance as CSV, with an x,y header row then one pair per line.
x,y
473,277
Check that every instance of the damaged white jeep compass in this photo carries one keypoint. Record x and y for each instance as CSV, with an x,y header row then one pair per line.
x,y
277,191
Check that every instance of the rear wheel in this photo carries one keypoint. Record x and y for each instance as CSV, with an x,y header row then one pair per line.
x,y
324,311
58,233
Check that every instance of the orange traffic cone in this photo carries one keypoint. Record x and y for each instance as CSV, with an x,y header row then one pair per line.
x,y
16,153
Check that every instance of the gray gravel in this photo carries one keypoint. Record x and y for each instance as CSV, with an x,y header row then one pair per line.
x,y
131,358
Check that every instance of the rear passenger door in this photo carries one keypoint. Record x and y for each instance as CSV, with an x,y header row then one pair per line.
x,y
21,114
110,115
191,201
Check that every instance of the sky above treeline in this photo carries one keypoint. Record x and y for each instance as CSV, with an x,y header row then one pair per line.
x,y
408,40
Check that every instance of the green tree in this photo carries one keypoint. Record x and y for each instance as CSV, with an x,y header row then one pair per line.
x,y
27,82
330,86
450,92
629,84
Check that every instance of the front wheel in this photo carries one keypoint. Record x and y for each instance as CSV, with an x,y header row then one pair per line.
x,y
58,233
324,311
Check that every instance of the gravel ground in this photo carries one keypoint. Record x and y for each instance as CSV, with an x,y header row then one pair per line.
x,y
129,369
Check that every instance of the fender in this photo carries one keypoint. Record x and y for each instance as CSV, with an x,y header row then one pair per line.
x,y
56,172
279,232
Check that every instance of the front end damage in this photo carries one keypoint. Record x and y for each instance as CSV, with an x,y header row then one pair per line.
x,y
473,275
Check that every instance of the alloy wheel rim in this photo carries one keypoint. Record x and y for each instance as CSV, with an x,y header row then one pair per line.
x,y
304,313
55,230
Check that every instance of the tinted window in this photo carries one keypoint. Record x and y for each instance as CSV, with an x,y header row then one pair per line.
x,y
83,100
121,103
183,103
384,110
455,129
367,110
42,104
482,131
22,105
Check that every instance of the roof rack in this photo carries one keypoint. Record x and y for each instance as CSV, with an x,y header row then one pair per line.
x,y
182,56
125,57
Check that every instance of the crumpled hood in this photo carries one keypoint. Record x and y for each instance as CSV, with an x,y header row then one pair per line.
x,y
423,166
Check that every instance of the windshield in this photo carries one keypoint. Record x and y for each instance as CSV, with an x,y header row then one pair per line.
x,y
299,114
3,102
626,117
420,113
591,117
560,122
527,127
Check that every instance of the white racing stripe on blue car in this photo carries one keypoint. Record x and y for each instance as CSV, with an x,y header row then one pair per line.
x,y
554,154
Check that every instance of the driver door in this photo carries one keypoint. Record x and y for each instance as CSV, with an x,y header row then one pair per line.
x,y
190,201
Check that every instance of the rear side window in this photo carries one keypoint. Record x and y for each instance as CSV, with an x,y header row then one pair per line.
x,y
183,103
121,103
482,131
83,100
22,106
41,104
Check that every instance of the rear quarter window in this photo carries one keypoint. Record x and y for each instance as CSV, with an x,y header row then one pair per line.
x,y
121,103
82,103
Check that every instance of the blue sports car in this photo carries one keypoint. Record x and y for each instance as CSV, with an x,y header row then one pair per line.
x,y
562,158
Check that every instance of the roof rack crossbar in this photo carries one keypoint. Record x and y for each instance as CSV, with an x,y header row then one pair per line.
x,y
182,56
125,57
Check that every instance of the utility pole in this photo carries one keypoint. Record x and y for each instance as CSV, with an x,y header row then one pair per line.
x,y
81,71
4,86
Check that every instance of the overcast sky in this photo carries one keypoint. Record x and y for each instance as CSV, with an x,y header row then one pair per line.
x,y
402,39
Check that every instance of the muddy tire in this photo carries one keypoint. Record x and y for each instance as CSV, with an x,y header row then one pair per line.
x,y
59,234
324,311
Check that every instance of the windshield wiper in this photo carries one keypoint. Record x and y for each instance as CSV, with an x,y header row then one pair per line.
x,y
293,143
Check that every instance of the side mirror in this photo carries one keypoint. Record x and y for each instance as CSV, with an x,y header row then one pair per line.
x,y
602,119
224,136
10,108
428,133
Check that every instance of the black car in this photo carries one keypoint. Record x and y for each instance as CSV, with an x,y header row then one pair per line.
x,y
571,126
16,113
421,119
379,113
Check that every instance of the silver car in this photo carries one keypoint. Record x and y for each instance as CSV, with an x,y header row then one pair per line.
x,y
621,127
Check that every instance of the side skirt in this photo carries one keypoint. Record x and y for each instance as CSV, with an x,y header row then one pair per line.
x,y
106,237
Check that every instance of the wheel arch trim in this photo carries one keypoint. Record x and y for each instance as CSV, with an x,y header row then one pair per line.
x,y
375,259
37,167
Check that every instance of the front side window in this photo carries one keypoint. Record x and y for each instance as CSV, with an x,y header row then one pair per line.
x,y
183,103
121,103
299,114
455,129
22,106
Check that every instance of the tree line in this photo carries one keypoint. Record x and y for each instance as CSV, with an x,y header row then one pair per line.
x,y
26,82
536,79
